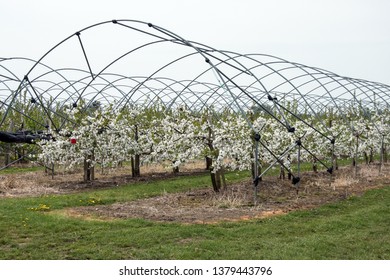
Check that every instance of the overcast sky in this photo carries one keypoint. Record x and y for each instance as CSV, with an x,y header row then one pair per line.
x,y
348,37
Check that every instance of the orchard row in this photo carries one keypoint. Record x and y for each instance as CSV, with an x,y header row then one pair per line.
x,y
227,140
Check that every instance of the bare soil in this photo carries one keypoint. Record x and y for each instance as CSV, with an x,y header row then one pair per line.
x,y
203,205
40,183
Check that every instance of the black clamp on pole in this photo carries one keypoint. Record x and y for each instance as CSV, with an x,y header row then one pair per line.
x,y
295,180
270,98
291,129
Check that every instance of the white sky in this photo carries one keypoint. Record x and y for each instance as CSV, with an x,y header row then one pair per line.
x,y
348,37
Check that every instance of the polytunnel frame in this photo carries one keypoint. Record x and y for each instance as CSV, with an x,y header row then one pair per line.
x,y
328,74
257,136
175,37
290,129
13,96
270,98
205,51
22,84
150,25
117,22
298,142
72,83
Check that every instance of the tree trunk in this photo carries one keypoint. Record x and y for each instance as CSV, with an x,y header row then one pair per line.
x,y
223,180
209,163
366,159
20,155
135,161
7,156
282,173
216,180
135,166
355,160
371,156
89,170
175,169
315,166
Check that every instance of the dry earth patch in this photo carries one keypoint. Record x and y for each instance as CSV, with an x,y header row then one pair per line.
x,y
203,205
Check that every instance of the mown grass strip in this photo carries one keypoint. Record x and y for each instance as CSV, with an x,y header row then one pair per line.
x,y
356,228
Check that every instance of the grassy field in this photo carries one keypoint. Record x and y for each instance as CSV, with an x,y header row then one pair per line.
x,y
35,228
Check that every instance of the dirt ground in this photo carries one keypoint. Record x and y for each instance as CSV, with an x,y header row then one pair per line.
x,y
203,205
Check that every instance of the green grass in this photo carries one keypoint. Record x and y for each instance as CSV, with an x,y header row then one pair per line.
x,y
21,169
357,228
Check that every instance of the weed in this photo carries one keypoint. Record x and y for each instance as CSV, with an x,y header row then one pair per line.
x,y
41,207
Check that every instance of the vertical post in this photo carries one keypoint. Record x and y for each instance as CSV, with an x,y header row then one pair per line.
x,y
299,143
382,153
356,154
256,174
299,163
333,167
